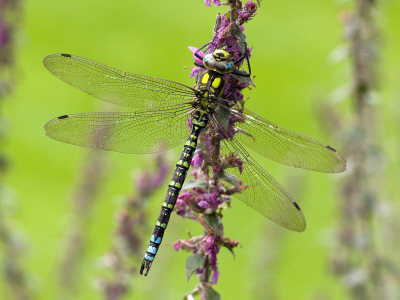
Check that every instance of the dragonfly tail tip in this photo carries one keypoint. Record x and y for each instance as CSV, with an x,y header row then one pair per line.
x,y
146,264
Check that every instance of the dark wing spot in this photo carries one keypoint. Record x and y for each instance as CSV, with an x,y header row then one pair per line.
x,y
62,117
65,55
330,148
297,206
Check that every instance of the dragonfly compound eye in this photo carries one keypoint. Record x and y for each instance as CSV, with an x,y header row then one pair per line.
x,y
209,61
224,67
221,66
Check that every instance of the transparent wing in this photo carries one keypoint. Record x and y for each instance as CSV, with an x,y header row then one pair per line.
x,y
283,145
115,86
263,193
145,131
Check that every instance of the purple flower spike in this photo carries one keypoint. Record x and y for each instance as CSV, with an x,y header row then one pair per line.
x,y
208,196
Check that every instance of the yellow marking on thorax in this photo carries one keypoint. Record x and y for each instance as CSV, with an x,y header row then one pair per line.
x,y
205,78
216,82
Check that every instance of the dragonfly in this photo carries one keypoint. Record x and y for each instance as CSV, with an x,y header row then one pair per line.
x,y
160,122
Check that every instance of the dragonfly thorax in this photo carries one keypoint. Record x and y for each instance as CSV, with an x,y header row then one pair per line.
x,y
210,85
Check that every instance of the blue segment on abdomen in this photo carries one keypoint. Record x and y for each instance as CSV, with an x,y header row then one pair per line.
x,y
158,241
152,250
148,257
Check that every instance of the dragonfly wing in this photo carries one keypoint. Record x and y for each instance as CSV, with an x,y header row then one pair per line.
x,y
145,131
115,86
285,146
262,192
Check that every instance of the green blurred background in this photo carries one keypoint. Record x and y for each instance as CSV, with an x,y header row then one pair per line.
x,y
293,44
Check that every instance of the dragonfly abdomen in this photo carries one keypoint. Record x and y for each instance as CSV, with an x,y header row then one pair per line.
x,y
199,121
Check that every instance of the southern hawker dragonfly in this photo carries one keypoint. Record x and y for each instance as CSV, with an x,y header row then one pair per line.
x,y
161,122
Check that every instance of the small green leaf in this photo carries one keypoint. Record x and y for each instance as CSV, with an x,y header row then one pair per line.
x,y
234,14
212,219
212,294
230,178
193,262
189,184
230,249
244,79
240,35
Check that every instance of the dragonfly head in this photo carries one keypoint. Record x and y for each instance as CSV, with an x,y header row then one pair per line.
x,y
219,61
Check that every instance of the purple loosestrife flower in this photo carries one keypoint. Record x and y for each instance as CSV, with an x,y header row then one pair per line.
x,y
194,72
214,277
208,143
211,249
239,165
197,160
248,12
189,122
216,169
158,178
210,200
195,69
194,50
183,202
177,245
208,2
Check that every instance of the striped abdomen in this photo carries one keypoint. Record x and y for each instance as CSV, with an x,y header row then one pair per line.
x,y
200,121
